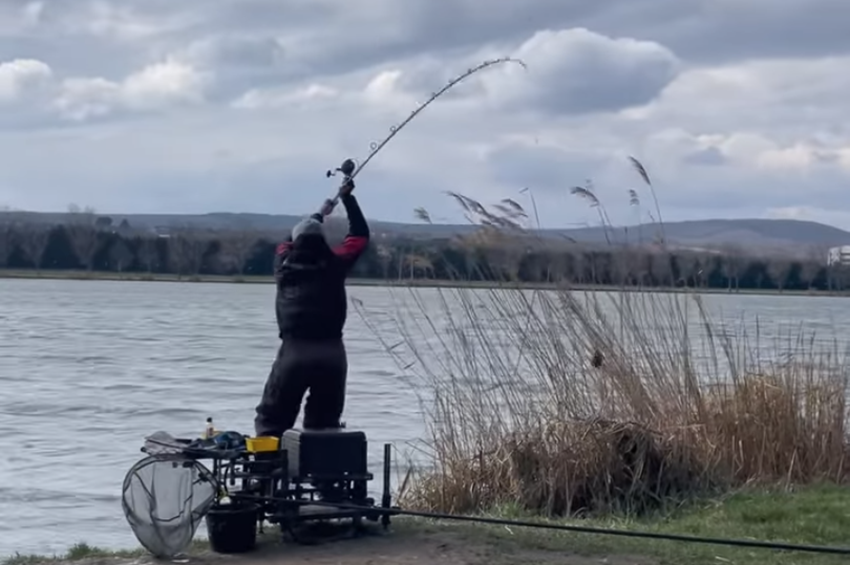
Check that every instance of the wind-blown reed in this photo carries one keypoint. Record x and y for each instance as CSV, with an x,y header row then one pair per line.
x,y
567,402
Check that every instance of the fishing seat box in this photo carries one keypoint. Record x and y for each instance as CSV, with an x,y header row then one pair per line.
x,y
325,454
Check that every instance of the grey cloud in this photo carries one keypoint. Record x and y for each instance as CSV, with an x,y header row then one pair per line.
x,y
569,72
59,37
578,71
265,17
541,168
717,31
709,156
689,188
335,36
324,36
208,157
85,56
720,191
231,50
238,62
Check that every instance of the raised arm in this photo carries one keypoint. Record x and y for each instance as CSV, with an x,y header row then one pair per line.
x,y
357,240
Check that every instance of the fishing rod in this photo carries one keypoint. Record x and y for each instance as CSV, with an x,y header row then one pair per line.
x,y
349,169
562,527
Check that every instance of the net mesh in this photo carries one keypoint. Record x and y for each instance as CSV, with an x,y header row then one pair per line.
x,y
165,497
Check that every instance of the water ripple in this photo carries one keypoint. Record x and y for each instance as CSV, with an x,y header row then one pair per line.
x,y
88,368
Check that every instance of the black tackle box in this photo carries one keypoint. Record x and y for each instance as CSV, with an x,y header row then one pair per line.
x,y
332,454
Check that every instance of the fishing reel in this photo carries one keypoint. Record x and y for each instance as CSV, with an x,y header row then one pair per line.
x,y
347,169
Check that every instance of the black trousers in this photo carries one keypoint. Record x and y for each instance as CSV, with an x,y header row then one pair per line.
x,y
316,368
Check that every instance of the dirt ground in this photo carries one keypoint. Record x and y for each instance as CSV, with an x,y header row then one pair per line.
x,y
403,546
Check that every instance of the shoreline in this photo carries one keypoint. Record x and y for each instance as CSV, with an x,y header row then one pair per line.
x,y
393,283
814,515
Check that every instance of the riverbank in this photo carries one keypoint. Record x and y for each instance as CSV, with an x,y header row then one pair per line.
x,y
814,515
419,283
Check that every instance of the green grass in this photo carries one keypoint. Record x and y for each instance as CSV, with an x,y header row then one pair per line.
x,y
83,551
811,516
77,552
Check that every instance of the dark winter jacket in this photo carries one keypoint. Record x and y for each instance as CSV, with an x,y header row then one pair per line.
x,y
311,301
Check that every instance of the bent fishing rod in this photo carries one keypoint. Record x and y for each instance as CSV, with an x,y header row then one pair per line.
x,y
349,169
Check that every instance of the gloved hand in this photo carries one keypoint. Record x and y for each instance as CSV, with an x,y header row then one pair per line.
x,y
346,188
327,208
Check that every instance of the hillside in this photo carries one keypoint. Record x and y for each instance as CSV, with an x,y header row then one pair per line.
x,y
787,235
766,235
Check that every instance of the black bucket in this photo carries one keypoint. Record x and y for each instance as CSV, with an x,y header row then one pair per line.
x,y
232,528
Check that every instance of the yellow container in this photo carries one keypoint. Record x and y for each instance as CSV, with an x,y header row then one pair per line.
x,y
262,444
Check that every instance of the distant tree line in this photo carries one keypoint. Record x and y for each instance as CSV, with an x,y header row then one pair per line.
x,y
92,243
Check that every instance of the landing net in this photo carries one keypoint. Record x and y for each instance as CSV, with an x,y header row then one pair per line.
x,y
165,497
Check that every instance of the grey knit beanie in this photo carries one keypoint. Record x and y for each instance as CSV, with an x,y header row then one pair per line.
x,y
308,226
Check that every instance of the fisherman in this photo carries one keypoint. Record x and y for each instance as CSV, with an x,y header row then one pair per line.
x,y
311,309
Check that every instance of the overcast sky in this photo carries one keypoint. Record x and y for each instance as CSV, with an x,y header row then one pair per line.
x,y
738,108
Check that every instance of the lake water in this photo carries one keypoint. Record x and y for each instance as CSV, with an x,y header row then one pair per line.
x,y
89,368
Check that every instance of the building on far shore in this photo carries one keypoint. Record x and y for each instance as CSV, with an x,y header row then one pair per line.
x,y
838,255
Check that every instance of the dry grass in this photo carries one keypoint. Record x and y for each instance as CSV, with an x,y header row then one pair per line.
x,y
567,402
